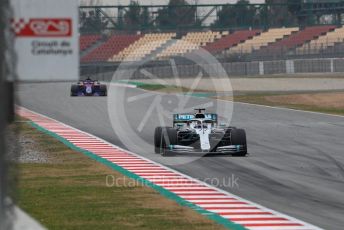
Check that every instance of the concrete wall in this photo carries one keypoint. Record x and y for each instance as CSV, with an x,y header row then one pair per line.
x,y
232,69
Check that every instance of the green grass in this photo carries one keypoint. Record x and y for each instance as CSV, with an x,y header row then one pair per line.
x,y
260,99
153,87
163,88
248,97
70,192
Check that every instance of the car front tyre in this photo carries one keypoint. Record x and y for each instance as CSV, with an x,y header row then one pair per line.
x,y
74,90
238,137
157,140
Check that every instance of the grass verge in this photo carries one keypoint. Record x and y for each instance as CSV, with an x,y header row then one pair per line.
x,y
323,102
160,87
70,192
295,101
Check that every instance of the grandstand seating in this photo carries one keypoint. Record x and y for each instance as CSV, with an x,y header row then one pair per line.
x,y
191,41
263,39
231,40
111,47
88,40
143,47
302,36
276,42
323,42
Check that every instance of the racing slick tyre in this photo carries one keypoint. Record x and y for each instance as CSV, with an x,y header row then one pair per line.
x,y
74,90
169,137
238,137
163,138
157,139
103,90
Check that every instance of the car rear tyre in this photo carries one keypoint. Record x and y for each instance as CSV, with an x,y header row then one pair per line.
x,y
103,90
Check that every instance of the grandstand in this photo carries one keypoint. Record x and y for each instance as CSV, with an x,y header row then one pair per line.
x,y
263,39
87,41
191,41
303,36
143,47
323,42
117,48
289,44
310,29
112,46
231,40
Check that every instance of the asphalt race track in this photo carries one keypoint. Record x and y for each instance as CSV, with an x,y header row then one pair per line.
x,y
296,161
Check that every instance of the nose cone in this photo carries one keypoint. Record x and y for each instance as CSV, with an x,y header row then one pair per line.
x,y
204,138
88,89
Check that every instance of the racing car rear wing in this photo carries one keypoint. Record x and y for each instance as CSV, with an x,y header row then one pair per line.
x,y
184,117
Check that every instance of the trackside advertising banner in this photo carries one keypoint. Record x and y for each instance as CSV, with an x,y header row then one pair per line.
x,y
46,39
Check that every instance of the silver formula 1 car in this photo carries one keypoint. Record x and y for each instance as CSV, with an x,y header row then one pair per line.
x,y
88,87
199,133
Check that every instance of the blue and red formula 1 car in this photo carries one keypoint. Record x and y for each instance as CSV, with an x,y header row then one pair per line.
x,y
88,87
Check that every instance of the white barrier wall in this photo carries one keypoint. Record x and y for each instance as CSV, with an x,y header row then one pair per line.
x,y
297,66
46,39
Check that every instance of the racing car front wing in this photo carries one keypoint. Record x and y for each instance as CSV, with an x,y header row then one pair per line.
x,y
228,149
